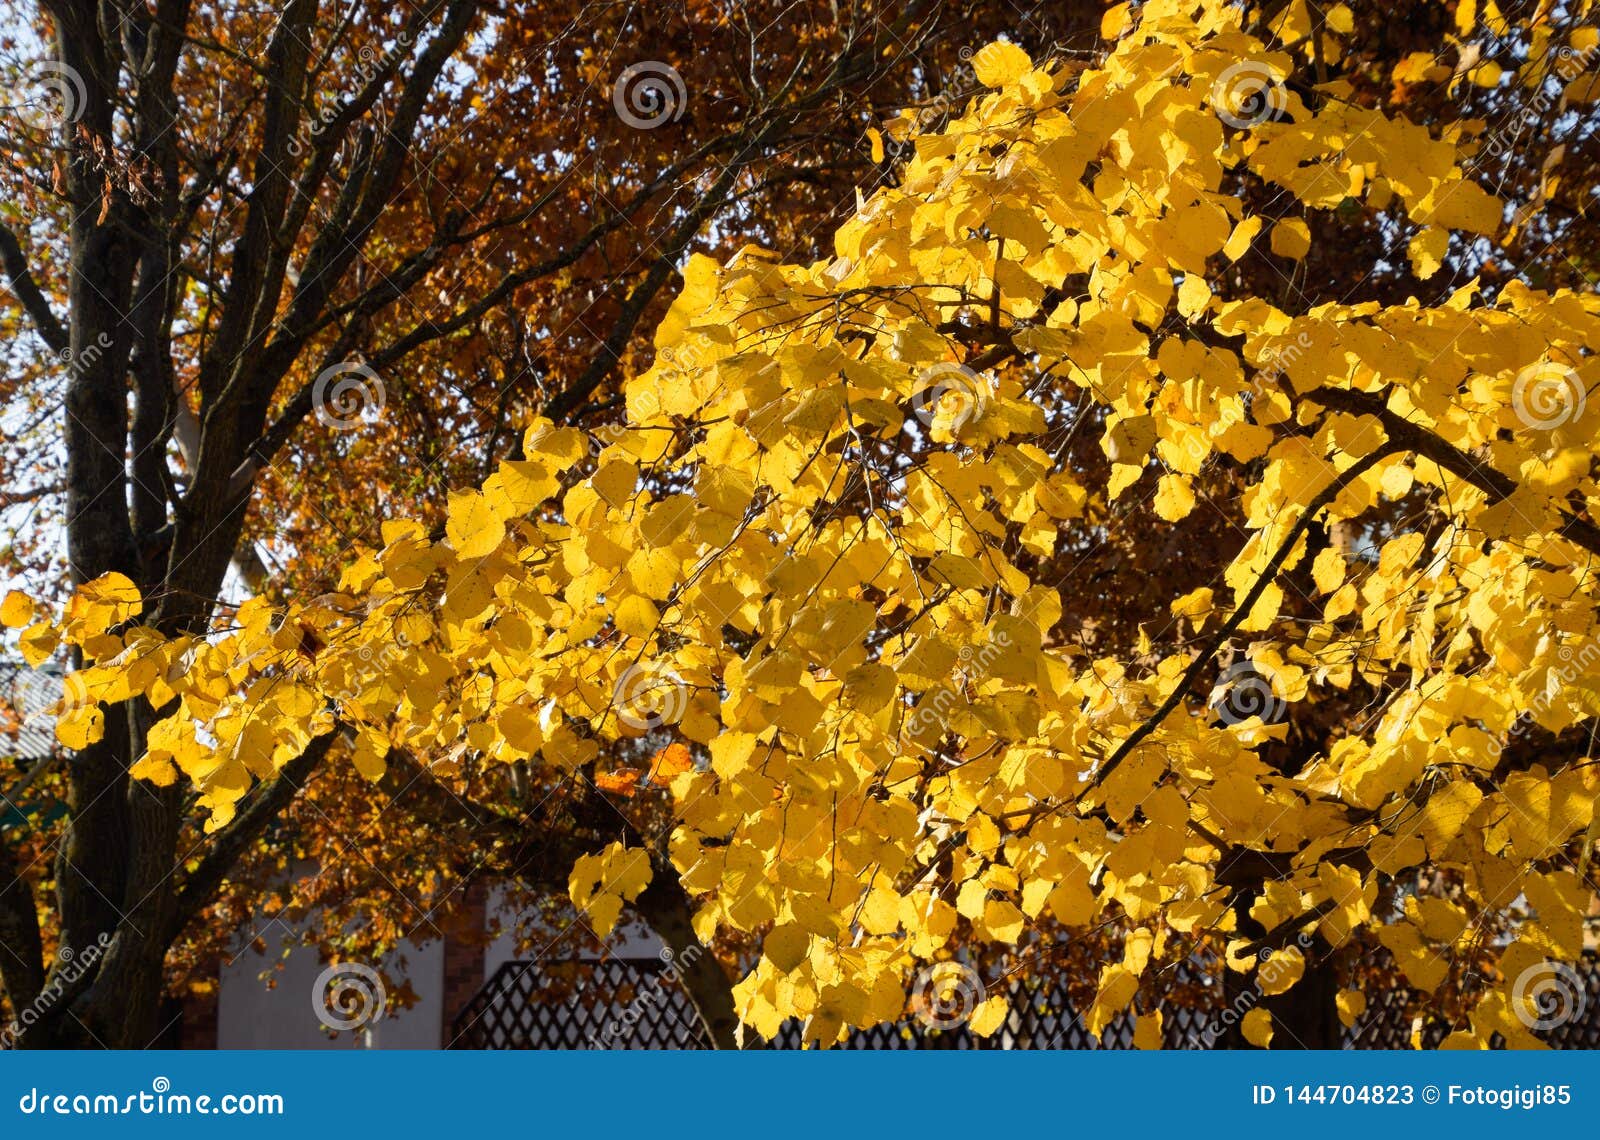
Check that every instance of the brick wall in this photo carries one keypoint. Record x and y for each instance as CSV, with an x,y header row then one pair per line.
x,y
198,1027
463,957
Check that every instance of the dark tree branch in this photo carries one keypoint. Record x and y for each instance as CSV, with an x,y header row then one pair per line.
x,y
258,262
361,203
1415,438
1268,575
34,302
540,857
200,886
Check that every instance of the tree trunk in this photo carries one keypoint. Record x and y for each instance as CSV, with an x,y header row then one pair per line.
x,y
1306,1017
666,907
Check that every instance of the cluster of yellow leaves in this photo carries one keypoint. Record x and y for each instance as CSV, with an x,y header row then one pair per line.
x,y
893,745
602,884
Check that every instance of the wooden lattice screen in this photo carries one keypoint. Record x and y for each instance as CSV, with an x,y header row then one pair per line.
x,y
624,1003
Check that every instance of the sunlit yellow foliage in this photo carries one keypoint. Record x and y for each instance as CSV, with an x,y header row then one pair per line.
x,y
880,731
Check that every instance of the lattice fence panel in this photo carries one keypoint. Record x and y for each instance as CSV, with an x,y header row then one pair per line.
x,y
624,1003
614,1004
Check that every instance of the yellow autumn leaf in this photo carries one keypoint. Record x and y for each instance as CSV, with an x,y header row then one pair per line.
x,y
1118,985
1174,497
1129,440
1196,605
990,1015
1351,1004
1115,21
518,486
786,945
1000,63
1281,971
96,606
1243,234
77,728
1462,205
1327,570
1427,250
1291,238
472,528
636,616
17,610
38,642
1193,296
370,754
1073,901
1147,1030
880,913
156,769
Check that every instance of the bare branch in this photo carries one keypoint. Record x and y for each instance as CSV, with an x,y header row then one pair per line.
x,y
1268,575
1415,438
45,321
200,886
